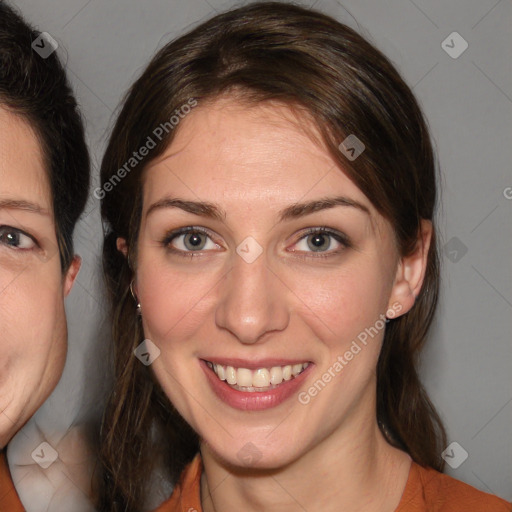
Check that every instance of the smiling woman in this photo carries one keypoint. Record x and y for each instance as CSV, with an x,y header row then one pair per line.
x,y
279,243
44,178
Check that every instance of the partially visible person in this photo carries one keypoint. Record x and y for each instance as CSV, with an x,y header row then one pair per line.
x,y
44,183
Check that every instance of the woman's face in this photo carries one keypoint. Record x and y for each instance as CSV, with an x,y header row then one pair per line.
x,y
258,289
32,287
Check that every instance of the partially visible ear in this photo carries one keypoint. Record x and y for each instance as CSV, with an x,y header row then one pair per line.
x,y
411,273
71,274
122,246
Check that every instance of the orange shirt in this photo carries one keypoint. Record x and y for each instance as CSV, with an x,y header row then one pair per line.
x,y
426,490
9,501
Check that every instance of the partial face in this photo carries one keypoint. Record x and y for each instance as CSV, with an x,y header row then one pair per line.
x,y
253,298
32,317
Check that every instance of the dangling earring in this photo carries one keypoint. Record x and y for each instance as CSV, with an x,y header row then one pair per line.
x,y
139,309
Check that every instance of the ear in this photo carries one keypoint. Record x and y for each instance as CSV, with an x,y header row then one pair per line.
x,y
71,274
410,274
122,246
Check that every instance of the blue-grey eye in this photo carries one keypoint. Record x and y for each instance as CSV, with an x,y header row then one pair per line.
x,y
319,241
191,240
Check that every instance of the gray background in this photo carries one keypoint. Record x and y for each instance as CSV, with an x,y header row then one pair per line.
x,y
468,103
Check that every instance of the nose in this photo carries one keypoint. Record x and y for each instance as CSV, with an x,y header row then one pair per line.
x,y
253,301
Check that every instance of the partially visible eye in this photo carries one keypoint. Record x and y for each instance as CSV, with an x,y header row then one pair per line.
x,y
16,239
322,240
189,239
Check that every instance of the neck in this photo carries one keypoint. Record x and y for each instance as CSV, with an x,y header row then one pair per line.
x,y
357,468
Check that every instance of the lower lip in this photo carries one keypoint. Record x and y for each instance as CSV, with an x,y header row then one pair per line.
x,y
255,400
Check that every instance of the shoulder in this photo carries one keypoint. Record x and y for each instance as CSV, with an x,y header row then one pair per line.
x,y
9,499
186,495
432,491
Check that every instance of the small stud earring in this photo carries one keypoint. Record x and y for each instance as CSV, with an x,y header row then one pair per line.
x,y
139,309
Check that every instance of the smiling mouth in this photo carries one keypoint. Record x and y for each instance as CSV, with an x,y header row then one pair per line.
x,y
261,379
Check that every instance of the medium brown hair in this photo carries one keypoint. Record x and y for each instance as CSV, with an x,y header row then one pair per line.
x,y
283,53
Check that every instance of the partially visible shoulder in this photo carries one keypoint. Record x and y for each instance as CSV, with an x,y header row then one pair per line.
x,y
432,491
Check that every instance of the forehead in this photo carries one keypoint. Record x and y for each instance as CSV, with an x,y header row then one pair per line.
x,y
262,154
22,171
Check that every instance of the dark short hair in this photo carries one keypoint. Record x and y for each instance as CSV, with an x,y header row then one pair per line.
x,y
37,89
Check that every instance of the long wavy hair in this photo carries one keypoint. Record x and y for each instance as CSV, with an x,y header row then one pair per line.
x,y
277,52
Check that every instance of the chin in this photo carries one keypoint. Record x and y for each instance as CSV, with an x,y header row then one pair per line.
x,y
255,454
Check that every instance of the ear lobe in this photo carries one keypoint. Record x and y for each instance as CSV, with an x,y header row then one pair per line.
x,y
122,246
411,271
71,274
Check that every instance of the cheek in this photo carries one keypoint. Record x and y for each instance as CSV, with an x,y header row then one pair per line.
x,y
174,303
33,336
342,303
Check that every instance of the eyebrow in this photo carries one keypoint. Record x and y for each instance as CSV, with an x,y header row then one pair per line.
x,y
298,210
20,204
294,211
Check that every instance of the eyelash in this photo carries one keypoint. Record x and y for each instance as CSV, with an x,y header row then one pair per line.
x,y
183,231
323,230
9,229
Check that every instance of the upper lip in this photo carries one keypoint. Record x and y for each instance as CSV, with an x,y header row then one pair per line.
x,y
253,364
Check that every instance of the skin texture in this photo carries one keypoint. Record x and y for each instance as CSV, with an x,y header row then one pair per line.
x,y
32,286
254,161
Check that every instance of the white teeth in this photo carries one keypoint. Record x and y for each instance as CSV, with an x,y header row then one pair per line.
x,y
219,370
276,375
296,369
230,375
260,378
244,377
256,380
